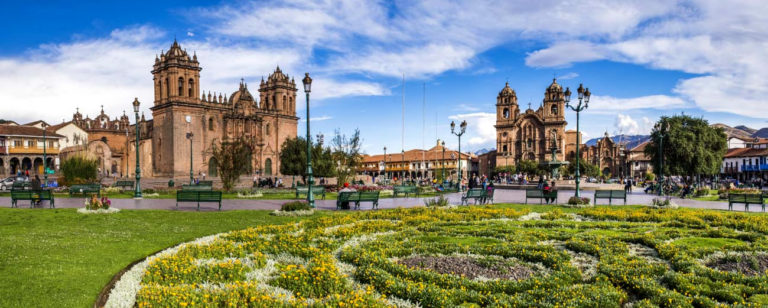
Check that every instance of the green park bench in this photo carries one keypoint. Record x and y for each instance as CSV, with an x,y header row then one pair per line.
x,y
32,196
198,196
746,199
536,193
611,195
21,185
478,194
194,187
316,190
205,183
405,190
357,197
85,189
123,184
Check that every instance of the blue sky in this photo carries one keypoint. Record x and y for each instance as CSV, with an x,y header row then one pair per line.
x,y
640,59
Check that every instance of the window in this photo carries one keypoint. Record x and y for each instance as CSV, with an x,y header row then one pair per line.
x,y
210,123
50,144
160,87
554,109
167,88
504,149
30,143
266,129
191,87
181,86
505,113
284,102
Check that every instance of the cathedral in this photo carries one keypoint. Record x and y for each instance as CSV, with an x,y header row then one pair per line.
x,y
530,134
187,121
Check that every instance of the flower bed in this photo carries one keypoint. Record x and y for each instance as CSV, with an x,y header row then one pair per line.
x,y
474,256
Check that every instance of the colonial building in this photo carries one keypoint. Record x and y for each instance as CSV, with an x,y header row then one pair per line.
x,y
608,155
639,162
188,121
747,163
529,134
418,163
22,147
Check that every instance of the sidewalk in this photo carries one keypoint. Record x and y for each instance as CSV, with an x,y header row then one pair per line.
x,y
501,196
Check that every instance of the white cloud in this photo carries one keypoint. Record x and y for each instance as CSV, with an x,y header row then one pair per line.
x,y
190,33
480,130
724,41
624,124
316,119
567,76
610,104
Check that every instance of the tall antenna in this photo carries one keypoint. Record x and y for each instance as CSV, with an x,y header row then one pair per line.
x,y
423,122
402,132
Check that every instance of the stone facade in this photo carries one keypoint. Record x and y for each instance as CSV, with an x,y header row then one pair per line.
x,y
180,111
609,156
529,135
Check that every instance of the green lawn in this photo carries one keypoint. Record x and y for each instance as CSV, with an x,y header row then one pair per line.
x,y
60,258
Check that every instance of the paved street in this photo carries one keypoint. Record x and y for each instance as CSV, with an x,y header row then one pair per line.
x,y
501,196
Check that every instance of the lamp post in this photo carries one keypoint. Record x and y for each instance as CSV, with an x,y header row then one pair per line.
x,y
663,131
584,95
463,129
310,197
137,187
402,173
189,136
385,163
443,162
45,157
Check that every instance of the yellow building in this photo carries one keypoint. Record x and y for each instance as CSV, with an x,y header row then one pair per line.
x,y
21,149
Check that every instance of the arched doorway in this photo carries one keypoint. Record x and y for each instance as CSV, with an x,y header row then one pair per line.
x,y
14,165
114,167
268,167
213,167
38,165
26,164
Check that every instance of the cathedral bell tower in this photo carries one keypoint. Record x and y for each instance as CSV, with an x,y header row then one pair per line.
x,y
554,103
506,106
176,76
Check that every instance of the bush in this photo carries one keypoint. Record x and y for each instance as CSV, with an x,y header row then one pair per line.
x,y
665,203
295,206
79,170
440,201
578,201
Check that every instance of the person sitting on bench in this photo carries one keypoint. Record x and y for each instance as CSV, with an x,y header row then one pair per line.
x,y
551,189
546,189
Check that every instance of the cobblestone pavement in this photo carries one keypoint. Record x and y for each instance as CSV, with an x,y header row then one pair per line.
x,y
501,196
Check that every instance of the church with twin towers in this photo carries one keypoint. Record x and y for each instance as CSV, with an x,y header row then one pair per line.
x,y
182,110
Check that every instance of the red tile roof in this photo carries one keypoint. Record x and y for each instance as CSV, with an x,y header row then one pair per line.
x,y
21,130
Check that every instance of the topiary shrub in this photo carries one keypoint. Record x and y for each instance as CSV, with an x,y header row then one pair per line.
x,y
579,202
79,170
295,206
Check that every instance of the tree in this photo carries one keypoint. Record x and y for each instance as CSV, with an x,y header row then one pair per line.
x,y
346,154
585,168
529,167
79,169
293,159
691,147
234,159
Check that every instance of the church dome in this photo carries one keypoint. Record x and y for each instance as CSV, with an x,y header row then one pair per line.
x,y
507,91
554,86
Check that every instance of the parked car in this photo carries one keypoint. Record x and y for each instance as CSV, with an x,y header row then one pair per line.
x,y
7,183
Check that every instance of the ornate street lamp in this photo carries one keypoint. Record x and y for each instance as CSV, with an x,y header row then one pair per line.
x,y
45,158
385,163
463,129
584,95
137,187
663,131
443,162
310,197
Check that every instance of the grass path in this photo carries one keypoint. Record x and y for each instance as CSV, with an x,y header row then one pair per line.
x,y
60,258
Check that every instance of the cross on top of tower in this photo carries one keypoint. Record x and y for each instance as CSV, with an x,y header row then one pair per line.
x,y
529,105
